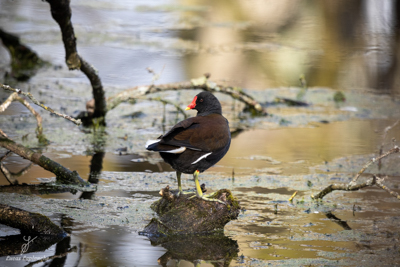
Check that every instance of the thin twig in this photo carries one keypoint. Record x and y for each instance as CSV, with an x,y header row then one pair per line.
x,y
381,185
395,149
39,129
352,186
342,187
35,101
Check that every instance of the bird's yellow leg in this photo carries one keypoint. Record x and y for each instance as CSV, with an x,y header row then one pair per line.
x,y
180,191
199,192
196,181
178,177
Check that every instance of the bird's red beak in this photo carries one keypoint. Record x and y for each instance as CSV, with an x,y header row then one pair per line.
x,y
192,105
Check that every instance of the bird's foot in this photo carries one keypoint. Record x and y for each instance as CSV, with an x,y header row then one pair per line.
x,y
208,198
188,192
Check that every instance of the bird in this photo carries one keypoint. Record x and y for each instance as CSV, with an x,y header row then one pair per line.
x,y
197,143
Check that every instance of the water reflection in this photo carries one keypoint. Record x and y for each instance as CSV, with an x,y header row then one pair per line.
x,y
219,250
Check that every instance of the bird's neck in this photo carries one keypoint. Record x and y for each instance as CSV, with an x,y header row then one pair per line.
x,y
209,112
213,110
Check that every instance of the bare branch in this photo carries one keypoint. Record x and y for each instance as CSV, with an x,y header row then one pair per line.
x,y
35,101
379,183
61,13
396,149
39,128
200,83
352,186
342,187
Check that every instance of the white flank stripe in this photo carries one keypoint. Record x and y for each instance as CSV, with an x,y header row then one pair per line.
x,y
150,142
175,151
202,157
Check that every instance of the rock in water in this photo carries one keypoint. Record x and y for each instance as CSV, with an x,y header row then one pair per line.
x,y
185,215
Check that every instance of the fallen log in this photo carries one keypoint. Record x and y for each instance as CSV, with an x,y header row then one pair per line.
x,y
28,222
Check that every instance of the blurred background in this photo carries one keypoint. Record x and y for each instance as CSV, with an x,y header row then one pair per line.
x,y
256,44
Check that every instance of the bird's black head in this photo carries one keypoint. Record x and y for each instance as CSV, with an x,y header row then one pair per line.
x,y
205,103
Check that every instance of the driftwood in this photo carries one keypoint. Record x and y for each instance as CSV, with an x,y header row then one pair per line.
x,y
28,222
184,215
61,13
353,186
63,175
201,83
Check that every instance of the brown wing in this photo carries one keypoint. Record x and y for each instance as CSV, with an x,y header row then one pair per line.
x,y
203,133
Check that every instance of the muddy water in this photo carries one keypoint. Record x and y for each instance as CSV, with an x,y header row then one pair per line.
x,y
269,166
276,151
346,45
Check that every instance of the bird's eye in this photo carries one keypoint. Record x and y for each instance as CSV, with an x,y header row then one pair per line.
x,y
201,99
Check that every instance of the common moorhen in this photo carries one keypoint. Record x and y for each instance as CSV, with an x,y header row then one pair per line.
x,y
195,144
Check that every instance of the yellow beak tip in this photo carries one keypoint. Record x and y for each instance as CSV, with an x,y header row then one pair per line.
x,y
187,108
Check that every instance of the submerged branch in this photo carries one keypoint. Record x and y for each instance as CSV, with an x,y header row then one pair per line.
x,y
35,101
63,175
200,83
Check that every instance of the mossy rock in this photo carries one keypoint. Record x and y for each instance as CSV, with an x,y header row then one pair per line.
x,y
185,215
